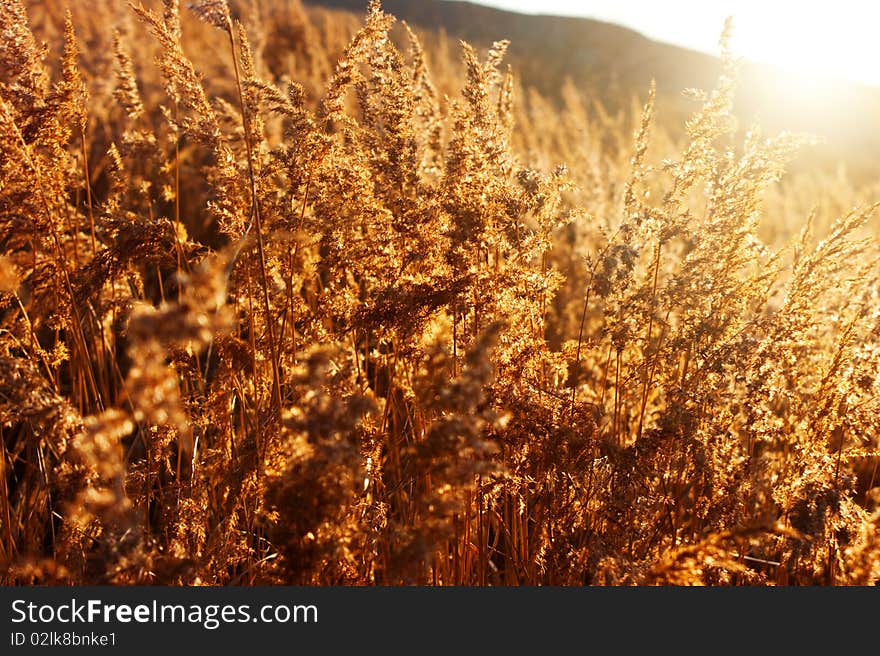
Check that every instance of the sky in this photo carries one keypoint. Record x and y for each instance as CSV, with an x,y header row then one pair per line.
x,y
838,39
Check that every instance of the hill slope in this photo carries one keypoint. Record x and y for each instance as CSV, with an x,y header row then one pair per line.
x,y
614,64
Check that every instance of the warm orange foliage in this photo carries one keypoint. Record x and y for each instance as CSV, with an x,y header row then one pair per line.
x,y
277,309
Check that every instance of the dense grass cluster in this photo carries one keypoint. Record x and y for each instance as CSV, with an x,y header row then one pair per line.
x,y
279,305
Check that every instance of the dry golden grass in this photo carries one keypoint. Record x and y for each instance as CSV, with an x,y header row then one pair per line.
x,y
278,305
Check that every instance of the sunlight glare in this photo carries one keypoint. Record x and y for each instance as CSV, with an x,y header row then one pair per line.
x,y
808,41
829,39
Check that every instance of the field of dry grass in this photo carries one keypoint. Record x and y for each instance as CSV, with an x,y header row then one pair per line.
x,y
291,297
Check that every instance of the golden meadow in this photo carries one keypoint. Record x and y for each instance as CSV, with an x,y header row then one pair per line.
x,y
293,296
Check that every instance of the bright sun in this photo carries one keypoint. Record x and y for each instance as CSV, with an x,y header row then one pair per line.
x,y
807,40
827,38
